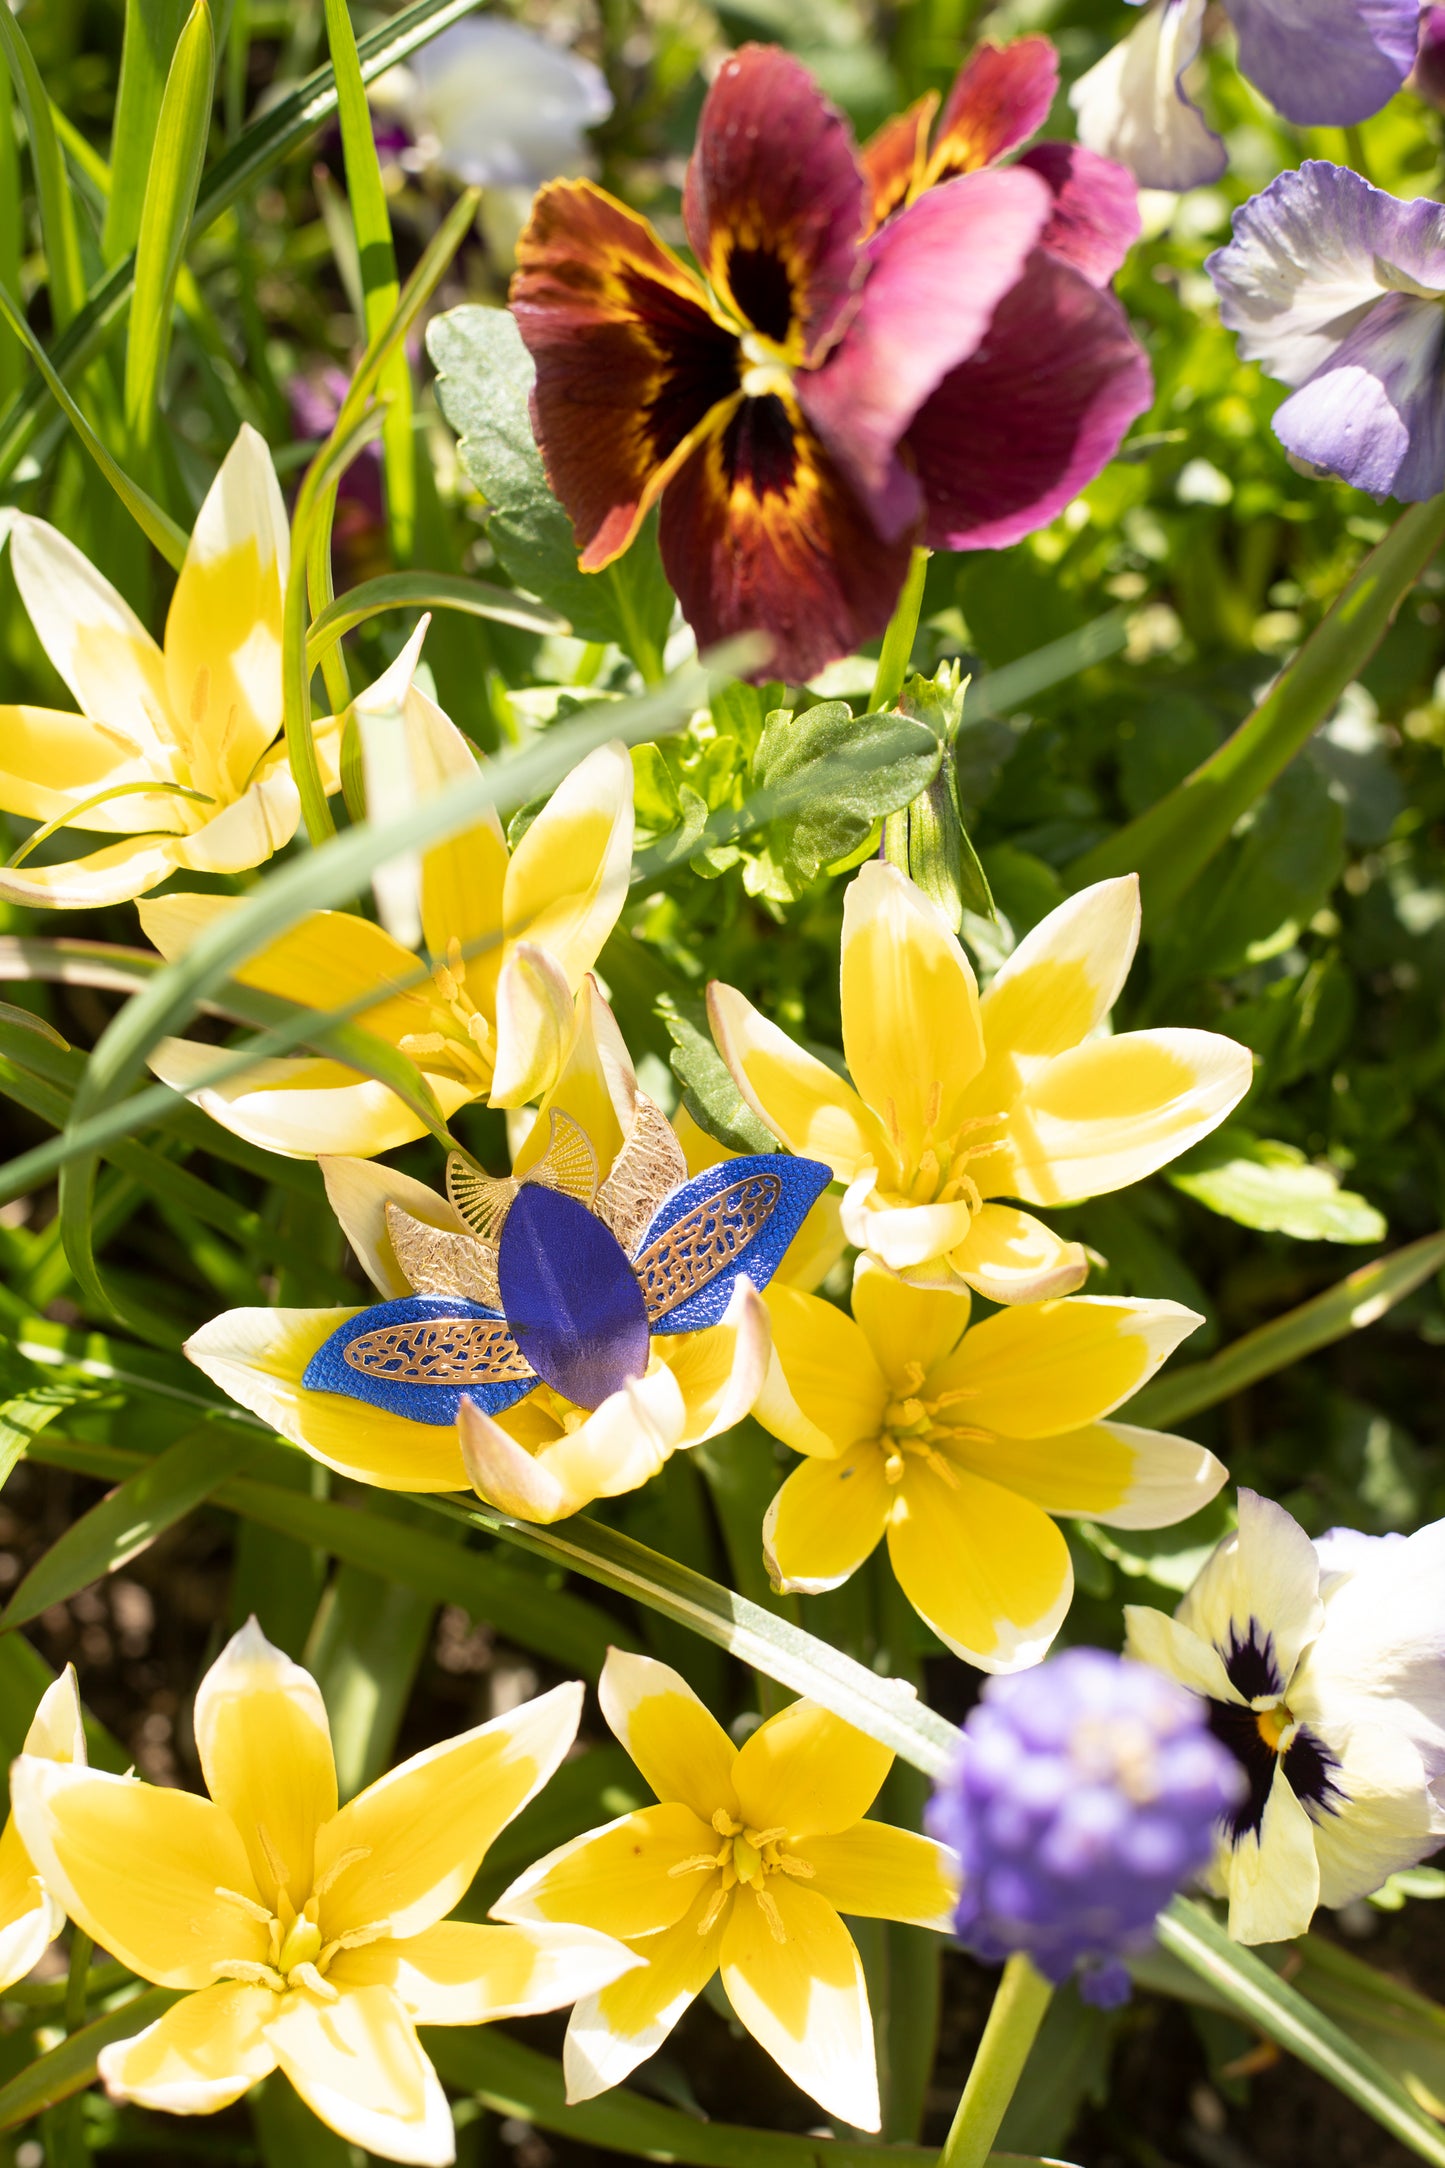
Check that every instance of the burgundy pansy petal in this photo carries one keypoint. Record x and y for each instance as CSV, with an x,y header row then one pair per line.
x,y
937,273
1000,97
630,359
1019,429
760,533
1096,208
895,160
775,200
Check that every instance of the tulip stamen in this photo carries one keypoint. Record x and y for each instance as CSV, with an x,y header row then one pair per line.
x,y
249,1973
248,1905
306,1975
274,1859
338,1867
768,1906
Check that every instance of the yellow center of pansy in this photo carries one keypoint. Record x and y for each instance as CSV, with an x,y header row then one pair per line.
x,y
464,1041
299,1954
763,371
1272,1724
745,1859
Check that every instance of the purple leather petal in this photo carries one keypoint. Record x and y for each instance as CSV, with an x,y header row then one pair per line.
x,y
571,1297
1326,63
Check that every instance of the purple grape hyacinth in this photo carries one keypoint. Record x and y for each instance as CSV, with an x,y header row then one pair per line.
x,y
1087,1791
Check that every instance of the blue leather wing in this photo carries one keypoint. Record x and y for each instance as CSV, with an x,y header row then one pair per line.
x,y
421,1356
735,1218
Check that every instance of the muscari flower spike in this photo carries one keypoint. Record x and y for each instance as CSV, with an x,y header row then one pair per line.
x,y
1322,1667
957,1101
509,938
1330,64
308,1937
174,749
881,350
1338,290
1085,1794
553,1337
743,1867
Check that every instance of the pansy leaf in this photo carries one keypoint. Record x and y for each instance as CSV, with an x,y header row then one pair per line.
x,y
708,1091
1262,1183
830,775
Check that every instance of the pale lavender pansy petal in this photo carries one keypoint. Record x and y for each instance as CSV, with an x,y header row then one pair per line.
x,y
1095,219
1019,429
1326,63
1132,105
1375,414
916,319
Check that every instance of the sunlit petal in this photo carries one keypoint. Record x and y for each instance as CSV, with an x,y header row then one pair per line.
x,y
52,761
612,2032
720,1370
116,874
265,1748
1049,1367
536,1025
804,1999
1059,984
827,1519
824,1389
1113,1473
905,1237
1273,1873
618,1880
987,1569
1155,1638
908,1328
568,877
300,1107
1269,1571
200,2056
597,1087
675,1740
1386,1819
459,1974
808,1770
1010,1256
876,1872
801,1100
358,2064
358,1192
616,1447
96,642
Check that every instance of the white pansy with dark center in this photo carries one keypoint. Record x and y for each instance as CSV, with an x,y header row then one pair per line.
x,y
1324,1669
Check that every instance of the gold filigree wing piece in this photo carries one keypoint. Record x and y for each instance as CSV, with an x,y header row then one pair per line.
x,y
704,1242
479,1200
437,1262
569,1162
439,1351
649,1167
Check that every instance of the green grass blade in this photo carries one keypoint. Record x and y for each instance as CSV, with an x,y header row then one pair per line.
x,y
1171,844
151,30
155,523
1265,2001
427,591
12,348
170,200
1353,1303
57,206
129,1520
371,1635
69,2068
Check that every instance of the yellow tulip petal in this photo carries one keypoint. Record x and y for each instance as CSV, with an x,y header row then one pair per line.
x,y
698,1148
245,833
358,1192
801,1100
259,1358
1059,984
909,1328
911,1033
988,1570
357,2063
404,1850
808,1771
597,1086
140,1867
876,1872
265,1749
1152,1637
299,1108
827,1519
223,630
905,1237
52,761
720,1370
95,640
461,879
1009,1256
1113,1473
328,958
824,1390
30,1920
618,1880
200,2056
617,1447
612,2032
1274,1875
676,1742
57,1729
1048,1367
568,877
804,2000
816,1247
536,1025
458,1974
1113,1110
117,874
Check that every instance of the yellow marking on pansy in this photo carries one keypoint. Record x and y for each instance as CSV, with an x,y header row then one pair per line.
x,y
1272,1724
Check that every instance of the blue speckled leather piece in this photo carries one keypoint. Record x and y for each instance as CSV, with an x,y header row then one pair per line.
x,y
571,1297
722,1245
416,1367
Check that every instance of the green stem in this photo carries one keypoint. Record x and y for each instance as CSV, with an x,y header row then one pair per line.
x,y
81,1947
1013,2022
898,639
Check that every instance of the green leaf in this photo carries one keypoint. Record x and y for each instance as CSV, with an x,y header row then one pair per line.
x,y
484,381
1283,2015
129,1520
826,776
708,1091
370,1636
1171,844
151,30
12,233
1262,1183
58,229
1353,1303
426,591
289,2135
170,200
1273,880
1403,2030
69,2068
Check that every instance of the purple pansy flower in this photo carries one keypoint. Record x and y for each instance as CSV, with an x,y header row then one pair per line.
x,y
1427,78
1338,290
1083,1797
1321,63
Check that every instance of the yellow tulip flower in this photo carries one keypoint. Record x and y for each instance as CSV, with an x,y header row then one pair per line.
x,y
308,1938
959,1445
544,1458
488,1012
174,749
743,1866
957,1102
30,1917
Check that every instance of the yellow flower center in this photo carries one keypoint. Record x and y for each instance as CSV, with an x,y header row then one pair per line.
x,y
1272,1724
298,1953
763,370
463,1041
745,1859
915,1429
938,1173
